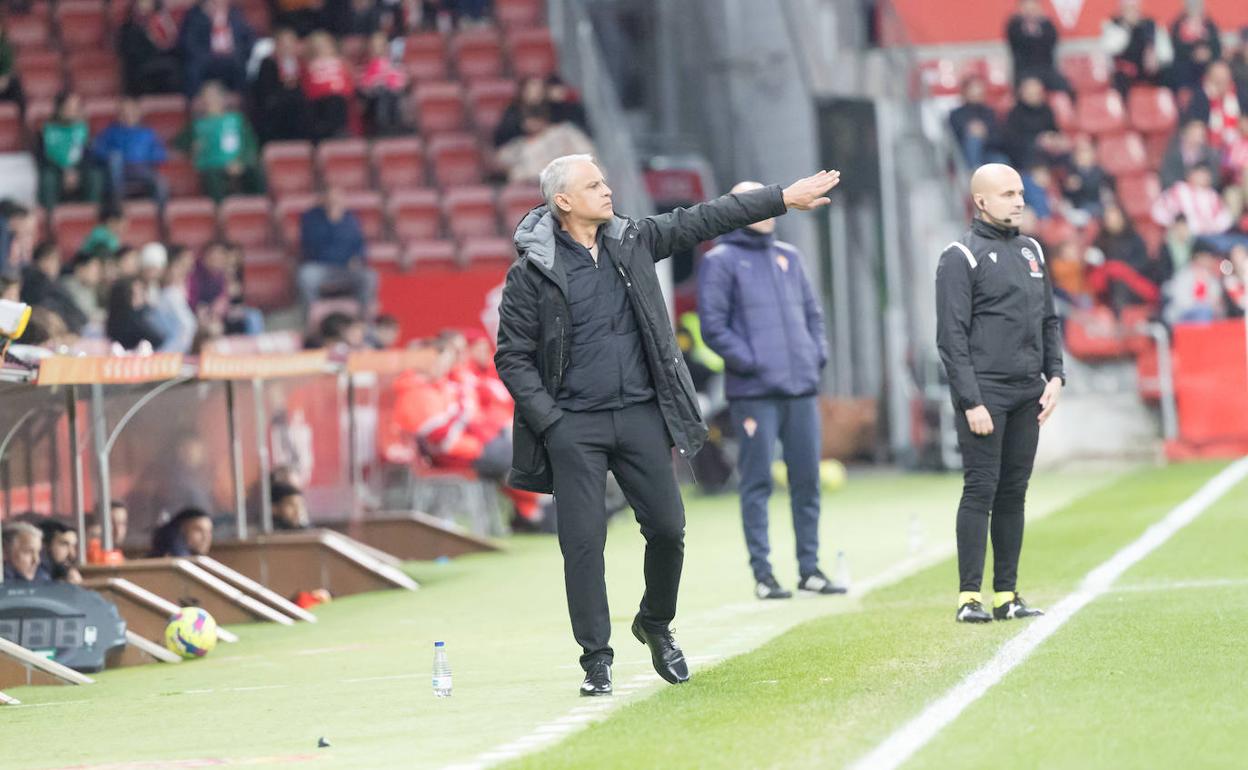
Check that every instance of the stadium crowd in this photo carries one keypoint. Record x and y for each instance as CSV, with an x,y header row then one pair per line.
x,y
1176,251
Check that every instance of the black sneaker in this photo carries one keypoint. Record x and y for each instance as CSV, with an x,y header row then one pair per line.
x,y
818,583
973,612
597,680
768,588
1016,608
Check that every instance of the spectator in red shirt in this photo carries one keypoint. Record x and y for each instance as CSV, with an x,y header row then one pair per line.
x,y
1197,201
381,86
1216,103
327,86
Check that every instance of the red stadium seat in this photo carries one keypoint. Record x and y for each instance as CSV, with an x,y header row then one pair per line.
x,y
95,73
478,53
515,201
10,127
518,13
1101,113
385,257
1155,147
430,253
247,220
268,278
1093,335
82,24
415,214
1152,110
37,113
288,210
1054,231
344,164
488,252
29,31
1123,155
101,112
440,107
288,167
424,55
70,224
399,162
142,222
532,52
1063,111
489,100
1137,194
1087,73
165,114
1151,232
41,74
470,211
937,77
456,159
366,205
995,73
181,175
191,221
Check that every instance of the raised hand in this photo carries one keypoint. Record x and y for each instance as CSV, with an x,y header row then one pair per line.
x,y
810,193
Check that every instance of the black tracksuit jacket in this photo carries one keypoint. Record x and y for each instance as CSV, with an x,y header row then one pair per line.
x,y
995,322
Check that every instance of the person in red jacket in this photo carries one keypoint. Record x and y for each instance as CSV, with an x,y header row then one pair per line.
x,y
327,85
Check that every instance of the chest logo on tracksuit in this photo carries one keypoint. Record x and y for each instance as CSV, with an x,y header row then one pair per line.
x,y
1030,256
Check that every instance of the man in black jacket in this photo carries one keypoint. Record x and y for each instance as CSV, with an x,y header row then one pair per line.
x,y
1001,344
587,350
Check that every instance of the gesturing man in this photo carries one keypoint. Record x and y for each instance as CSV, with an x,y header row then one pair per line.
x,y
1001,344
587,351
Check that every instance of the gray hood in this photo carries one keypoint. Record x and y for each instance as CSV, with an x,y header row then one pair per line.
x,y
535,235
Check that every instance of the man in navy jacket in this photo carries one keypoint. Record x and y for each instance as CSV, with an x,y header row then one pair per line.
x,y
761,315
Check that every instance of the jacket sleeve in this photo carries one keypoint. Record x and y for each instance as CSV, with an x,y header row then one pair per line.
x,y
814,317
953,326
519,339
1052,336
715,314
666,234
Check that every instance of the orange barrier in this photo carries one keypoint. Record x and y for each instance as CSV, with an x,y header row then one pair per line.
x,y
1211,388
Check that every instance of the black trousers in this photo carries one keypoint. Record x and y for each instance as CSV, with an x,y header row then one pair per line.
x,y
632,443
996,471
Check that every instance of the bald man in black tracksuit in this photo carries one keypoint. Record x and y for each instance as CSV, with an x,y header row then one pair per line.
x,y
1001,344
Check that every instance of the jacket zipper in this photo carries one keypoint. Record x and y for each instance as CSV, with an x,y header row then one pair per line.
x,y
780,305
559,363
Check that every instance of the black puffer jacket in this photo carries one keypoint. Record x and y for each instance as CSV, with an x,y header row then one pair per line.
x,y
533,319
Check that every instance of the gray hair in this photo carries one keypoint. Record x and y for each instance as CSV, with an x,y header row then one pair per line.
x,y
554,178
15,529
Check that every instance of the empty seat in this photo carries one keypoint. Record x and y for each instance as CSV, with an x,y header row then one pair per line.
x,y
532,52
247,220
41,74
181,175
470,211
37,113
164,113
478,53
191,221
28,30
515,201
95,73
101,112
424,56
1101,113
344,164
518,13
268,278
385,257
489,100
1155,147
456,159
430,254
1152,109
288,167
82,24
1137,194
10,127
288,210
495,253
70,224
414,214
142,222
399,162
1087,73
367,207
440,107
1123,154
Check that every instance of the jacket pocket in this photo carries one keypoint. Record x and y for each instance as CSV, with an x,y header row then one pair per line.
x,y
528,454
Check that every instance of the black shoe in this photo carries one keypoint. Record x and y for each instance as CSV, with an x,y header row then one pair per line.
x,y
818,583
973,612
768,588
597,680
1015,608
668,660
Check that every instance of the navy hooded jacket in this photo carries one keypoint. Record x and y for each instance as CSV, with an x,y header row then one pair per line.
x,y
763,320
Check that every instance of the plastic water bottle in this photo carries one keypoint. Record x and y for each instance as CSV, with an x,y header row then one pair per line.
x,y
842,570
441,671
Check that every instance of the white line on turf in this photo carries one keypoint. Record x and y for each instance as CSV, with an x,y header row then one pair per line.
x,y
385,678
1180,585
903,743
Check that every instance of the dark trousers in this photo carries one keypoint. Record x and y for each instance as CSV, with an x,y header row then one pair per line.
x,y
996,470
795,422
632,443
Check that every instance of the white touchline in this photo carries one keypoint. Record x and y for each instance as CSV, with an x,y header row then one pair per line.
x,y
915,734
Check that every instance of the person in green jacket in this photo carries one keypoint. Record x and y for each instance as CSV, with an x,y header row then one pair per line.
x,y
63,174
223,148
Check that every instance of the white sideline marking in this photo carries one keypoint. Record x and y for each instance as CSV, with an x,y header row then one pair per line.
x,y
256,687
20,705
385,678
903,743
1180,585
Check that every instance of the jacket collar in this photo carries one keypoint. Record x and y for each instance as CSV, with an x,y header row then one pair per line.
x,y
989,230
535,241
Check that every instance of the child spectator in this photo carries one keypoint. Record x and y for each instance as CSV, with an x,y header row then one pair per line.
x,y
63,143
131,154
223,148
381,86
327,86
109,232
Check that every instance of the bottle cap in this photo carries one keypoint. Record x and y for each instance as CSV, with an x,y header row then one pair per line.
x,y
439,644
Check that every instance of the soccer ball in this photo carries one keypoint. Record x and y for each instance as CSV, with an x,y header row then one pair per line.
x,y
192,633
831,475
